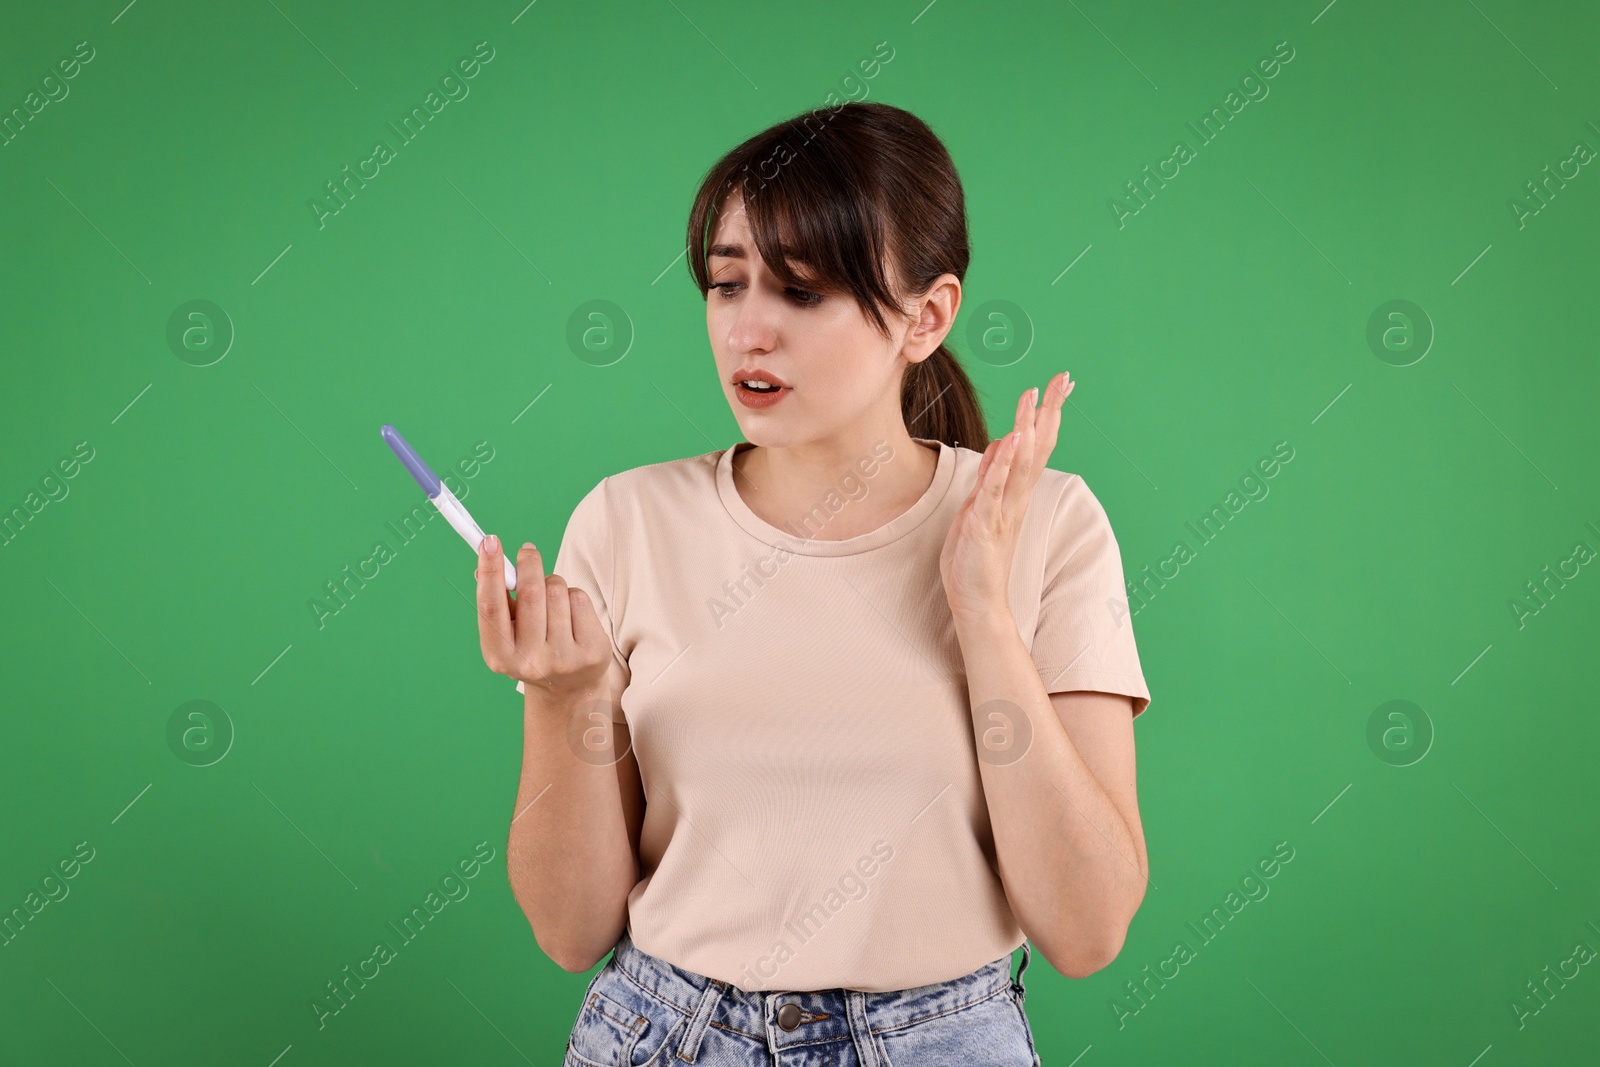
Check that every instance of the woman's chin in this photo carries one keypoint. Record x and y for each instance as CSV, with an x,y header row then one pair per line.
x,y
761,436
759,430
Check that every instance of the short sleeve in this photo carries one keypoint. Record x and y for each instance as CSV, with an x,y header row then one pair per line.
x,y
587,561
1084,636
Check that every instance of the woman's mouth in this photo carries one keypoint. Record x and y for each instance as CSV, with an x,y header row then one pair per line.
x,y
760,394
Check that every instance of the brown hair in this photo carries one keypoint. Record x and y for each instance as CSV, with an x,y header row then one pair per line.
x,y
839,190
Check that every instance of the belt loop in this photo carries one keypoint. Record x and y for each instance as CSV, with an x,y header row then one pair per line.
x,y
1027,953
860,1029
689,1047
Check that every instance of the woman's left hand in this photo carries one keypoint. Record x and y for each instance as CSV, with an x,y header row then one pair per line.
x,y
975,563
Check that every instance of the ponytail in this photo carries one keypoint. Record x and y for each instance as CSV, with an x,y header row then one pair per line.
x,y
939,403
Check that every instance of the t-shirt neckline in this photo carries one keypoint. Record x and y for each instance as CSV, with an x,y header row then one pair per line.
x,y
798,542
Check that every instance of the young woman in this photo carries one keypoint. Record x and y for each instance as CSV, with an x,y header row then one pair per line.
x,y
875,672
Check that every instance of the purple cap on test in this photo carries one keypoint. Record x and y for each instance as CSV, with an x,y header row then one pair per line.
x,y
408,455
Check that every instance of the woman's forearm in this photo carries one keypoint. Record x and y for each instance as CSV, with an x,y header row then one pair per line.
x,y
1071,868
572,853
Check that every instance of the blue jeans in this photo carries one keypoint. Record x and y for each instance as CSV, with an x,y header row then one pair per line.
x,y
640,1010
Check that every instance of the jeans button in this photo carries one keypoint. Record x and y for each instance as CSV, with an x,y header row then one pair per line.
x,y
789,1016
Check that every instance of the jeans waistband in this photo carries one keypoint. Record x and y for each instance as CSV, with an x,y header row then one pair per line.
x,y
822,1013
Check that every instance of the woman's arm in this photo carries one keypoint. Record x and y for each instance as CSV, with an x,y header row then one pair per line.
x,y
1065,814
572,855
1060,790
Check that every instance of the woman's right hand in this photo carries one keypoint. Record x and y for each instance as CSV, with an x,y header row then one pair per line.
x,y
548,636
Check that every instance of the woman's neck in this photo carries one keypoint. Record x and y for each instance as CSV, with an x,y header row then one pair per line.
x,y
784,485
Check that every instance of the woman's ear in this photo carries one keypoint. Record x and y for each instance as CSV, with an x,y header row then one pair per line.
x,y
936,314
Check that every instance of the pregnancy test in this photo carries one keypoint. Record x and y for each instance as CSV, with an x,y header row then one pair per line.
x,y
443,499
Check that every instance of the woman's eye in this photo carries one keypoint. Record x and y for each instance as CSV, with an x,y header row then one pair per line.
x,y
800,296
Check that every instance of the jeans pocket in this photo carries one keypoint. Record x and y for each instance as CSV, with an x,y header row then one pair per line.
x,y
620,1025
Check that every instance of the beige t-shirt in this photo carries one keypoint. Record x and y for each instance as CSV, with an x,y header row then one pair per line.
x,y
815,817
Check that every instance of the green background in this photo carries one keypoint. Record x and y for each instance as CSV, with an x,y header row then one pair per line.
x,y
1231,313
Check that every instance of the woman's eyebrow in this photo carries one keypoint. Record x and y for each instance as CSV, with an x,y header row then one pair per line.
x,y
728,251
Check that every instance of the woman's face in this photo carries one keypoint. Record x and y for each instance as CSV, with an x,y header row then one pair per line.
x,y
838,372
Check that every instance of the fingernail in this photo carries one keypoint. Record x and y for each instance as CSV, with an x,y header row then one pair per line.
x,y
1033,397
529,544
492,544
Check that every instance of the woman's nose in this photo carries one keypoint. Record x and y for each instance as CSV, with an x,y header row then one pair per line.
x,y
754,325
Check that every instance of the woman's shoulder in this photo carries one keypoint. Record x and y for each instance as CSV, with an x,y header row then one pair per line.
x,y
1053,487
640,503
1063,512
664,481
